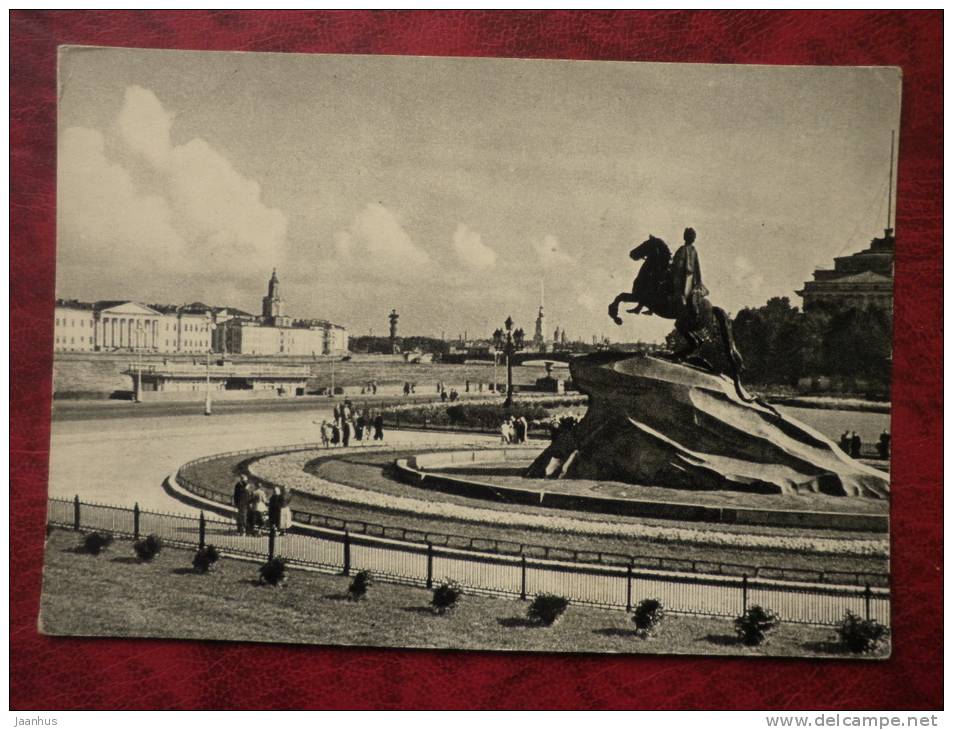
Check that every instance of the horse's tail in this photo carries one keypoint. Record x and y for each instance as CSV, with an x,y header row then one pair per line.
x,y
736,362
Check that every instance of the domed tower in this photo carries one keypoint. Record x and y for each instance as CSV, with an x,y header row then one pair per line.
x,y
272,306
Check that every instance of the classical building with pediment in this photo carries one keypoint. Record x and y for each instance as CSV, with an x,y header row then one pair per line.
x,y
863,280
129,326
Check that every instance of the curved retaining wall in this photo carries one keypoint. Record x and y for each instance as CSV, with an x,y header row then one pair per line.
x,y
414,471
309,522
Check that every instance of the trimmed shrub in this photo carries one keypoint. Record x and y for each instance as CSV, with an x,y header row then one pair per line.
x,y
205,558
359,585
446,596
148,548
95,542
859,635
755,624
546,608
274,572
486,416
647,616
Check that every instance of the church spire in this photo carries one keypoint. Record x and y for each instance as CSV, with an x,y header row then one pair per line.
x,y
271,305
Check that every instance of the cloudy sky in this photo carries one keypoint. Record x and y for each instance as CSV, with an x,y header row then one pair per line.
x,y
450,188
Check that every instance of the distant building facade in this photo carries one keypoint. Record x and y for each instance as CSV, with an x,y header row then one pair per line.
x,y
128,326
863,280
276,333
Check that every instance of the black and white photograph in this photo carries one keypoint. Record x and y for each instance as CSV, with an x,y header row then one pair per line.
x,y
473,353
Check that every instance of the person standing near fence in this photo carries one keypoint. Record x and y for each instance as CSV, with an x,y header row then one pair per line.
x,y
379,427
883,445
240,500
250,511
274,508
285,510
260,506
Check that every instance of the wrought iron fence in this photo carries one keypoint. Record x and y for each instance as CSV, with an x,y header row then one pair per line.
x,y
607,586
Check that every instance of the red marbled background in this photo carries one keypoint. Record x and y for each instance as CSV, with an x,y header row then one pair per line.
x,y
56,673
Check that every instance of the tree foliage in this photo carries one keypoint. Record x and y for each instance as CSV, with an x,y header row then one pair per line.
x,y
781,344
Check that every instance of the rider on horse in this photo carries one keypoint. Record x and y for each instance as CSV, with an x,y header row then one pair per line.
x,y
686,278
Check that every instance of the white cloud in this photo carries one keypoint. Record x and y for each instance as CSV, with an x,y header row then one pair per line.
x,y
145,126
471,250
100,210
551,254
196,212
377,241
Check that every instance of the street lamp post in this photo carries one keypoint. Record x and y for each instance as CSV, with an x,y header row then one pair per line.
x,y
508,342
138,398
208,383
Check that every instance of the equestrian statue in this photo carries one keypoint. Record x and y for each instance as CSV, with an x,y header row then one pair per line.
x,y
671,287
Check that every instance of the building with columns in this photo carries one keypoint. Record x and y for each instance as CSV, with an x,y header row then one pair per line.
x,y
862,280
128,326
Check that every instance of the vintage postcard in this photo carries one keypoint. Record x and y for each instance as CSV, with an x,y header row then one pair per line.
x,y
473,353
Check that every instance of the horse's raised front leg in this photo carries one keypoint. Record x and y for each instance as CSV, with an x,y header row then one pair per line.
x,y
614,307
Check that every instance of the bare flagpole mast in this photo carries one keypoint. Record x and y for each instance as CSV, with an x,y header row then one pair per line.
x,y
890,181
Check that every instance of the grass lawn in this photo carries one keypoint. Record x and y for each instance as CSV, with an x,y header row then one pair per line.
x,y
114,595
366,471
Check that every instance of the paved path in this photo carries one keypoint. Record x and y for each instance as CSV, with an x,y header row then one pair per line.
x,y
124,460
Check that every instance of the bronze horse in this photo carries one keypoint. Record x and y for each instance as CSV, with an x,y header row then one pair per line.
x,y
652,291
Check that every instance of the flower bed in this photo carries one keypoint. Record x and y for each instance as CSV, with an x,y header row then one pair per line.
x,y
288,469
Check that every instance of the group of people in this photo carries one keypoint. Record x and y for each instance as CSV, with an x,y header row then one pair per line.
x,y
409,388
349,424
369,387
850,444
560,425
257,510
450,395
513,430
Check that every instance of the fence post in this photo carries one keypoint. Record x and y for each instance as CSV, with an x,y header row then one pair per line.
x,y
744,593
76,513
135,520
867,602
628,587
201,529
429,565
271,542
347,553
522,577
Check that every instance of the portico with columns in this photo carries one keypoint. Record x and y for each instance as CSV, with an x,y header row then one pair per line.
x,y
128,326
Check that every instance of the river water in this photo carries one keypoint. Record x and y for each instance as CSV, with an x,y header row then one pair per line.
x,y
833,423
